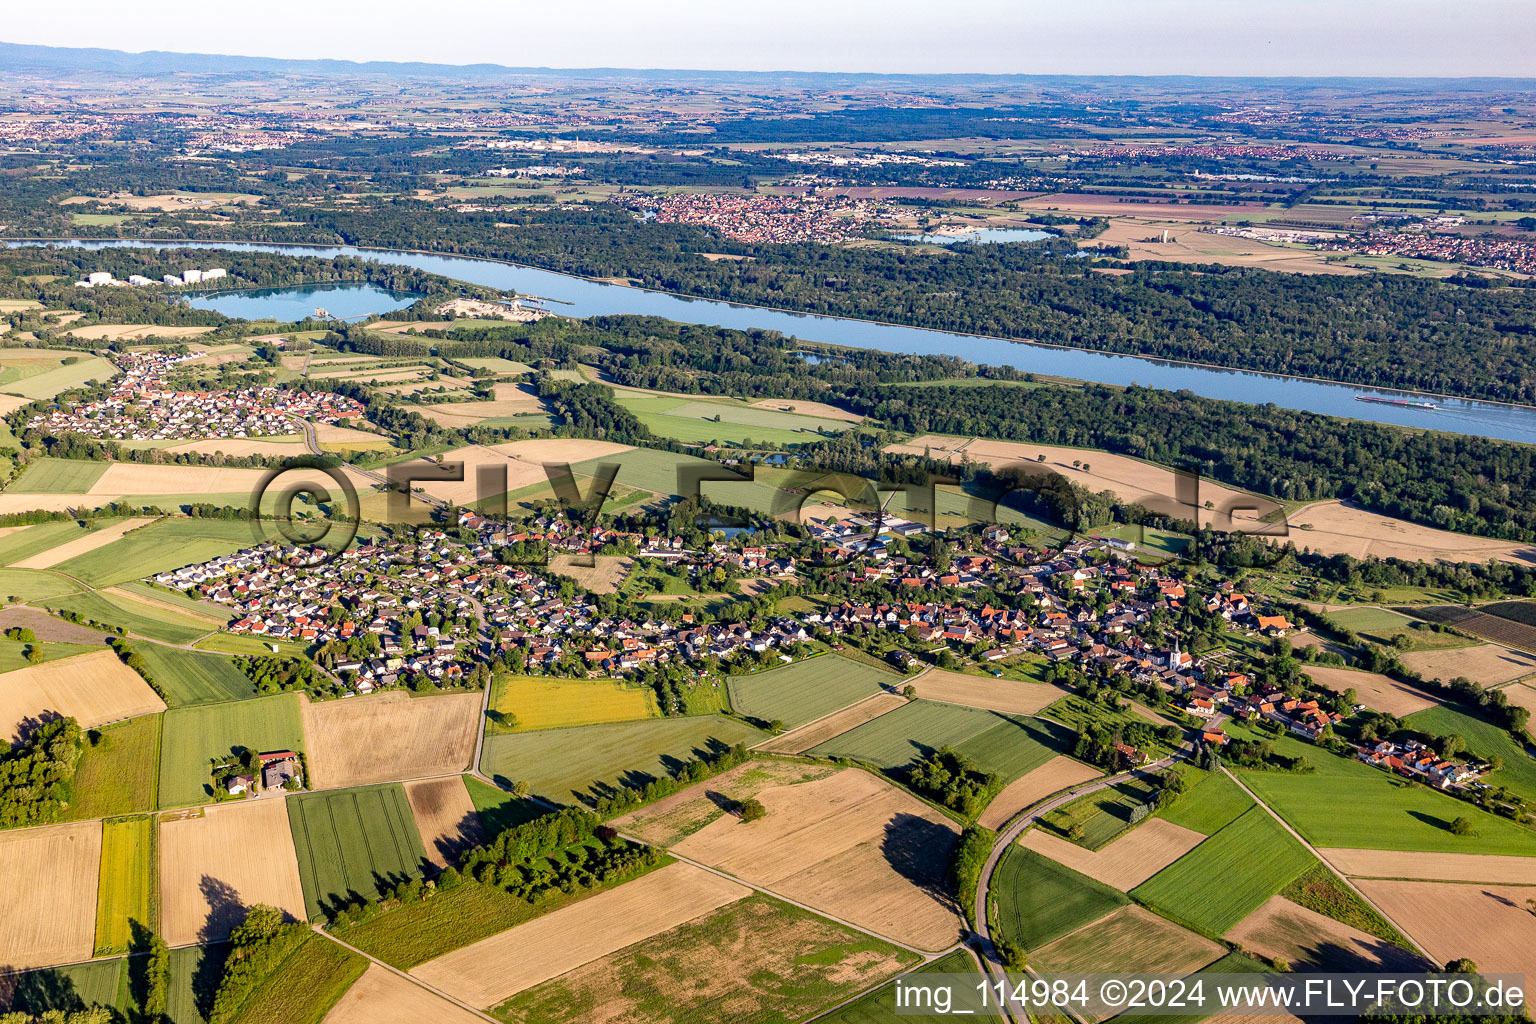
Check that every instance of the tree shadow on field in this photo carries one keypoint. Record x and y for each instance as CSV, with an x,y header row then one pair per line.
x,y
36,992
919,851
1431,820
225,909
727,804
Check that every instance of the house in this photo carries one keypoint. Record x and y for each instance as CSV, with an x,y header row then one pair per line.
x,y
239,785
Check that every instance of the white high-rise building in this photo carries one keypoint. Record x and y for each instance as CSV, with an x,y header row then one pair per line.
x,y
100,277
214,272
191,276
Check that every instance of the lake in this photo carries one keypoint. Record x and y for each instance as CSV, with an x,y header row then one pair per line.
x,y
288,304
579,297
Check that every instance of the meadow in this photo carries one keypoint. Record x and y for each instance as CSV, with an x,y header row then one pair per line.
x,y
1005,745
1485,740
34,585
306,985
189,678
796,694
1211,802
51,382
133,616
879,1006
411,934
499,810
167,544
522,703
67,989
564,764
194,736
351,843
58,476
13,653
1039,900
702,422
1346,803
1095,820
126,895
118,771
40,537
1228,876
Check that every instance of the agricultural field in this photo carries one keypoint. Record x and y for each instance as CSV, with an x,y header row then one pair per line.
x,y
1308,941
1503,631
1210,804
136,617
126,895
807,690
1346,803
193,736
57,476
31,585
1491,925
1005,745
495,969
1098,818
187,677
445,818
218,862
1125,863
94,689
308,983
846,843
109,531
1128,941
800,740
13,653
69,989
48,891
784,964
1060,772
1005,695
1253,856
353,842
21,543
528,703
389,736
1440,867
1379,625
879,1006
1484,664
566,765
605,576
1376,691
51,382
648,470
1039,900
118,771
382,997
1484,740
695,421
410,935
167,544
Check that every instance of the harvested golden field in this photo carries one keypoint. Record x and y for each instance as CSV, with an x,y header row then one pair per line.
x,y
80,545
48,894
519,474
1521,695
10,503
559,449
93,689
1488,924
1486,664
218,862
132,478
808,848
1309,941
510,400
819,409
1188,244
389,737
1443,867
603,578
1006,695
674,818
236,447
445,817
1128,861
1128,478
10,403
330,433
1333,528
381,996
134,332
1060,772
807,736
1130,940
1375,691
218,355
489,971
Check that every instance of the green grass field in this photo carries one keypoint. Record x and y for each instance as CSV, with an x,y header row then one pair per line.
x,y
1346,803
645,468
498,809
1101,816
1232,963
879,1006
1485,740
353,842
72,989
165,595
194,736
408,935
231,643
495,364
195,973
34,585
126,894
795,694
189,678
1224,879
305,986
13,653
564,764
133,616
119,772
52,382
694,422
1210,804
167,544
785,964
1039,900
36,539
58,476
545,703
1006,745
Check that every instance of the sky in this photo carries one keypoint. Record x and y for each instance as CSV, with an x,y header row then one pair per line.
x,y
1132,37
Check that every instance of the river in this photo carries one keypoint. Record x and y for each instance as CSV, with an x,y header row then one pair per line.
x,y
579,297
